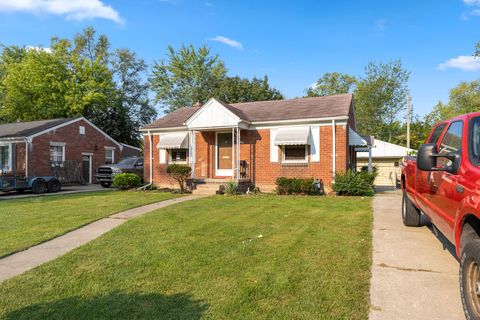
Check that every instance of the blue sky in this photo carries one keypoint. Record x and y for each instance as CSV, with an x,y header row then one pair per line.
x,y
293,42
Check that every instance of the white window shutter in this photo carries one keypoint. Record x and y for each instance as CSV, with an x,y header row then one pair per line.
x,y
315,144
273,147
163,156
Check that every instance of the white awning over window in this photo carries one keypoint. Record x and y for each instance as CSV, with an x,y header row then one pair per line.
x,y
355,140
292,136
174,140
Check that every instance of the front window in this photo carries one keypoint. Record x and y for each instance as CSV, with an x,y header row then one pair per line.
x,y
295,153
178,155
57,154
451,142
5,158
109,156
436,133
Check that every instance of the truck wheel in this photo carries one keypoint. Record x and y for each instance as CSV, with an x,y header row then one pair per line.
x,y
470,279
410,214
54,185
106,184
39,186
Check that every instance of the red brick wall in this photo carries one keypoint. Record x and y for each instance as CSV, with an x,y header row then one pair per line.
x,y
255,148
92,142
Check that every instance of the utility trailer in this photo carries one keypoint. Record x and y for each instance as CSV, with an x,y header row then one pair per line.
x,y
37,185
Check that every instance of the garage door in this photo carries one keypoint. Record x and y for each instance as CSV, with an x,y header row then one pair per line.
x,y
388,172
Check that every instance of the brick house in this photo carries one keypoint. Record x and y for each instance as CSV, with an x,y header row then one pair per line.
x,y
30,148
255,141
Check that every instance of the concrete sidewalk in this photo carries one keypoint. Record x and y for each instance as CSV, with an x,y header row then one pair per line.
x,y
20,262
414,271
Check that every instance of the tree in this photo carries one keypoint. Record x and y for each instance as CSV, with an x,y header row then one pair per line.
x,y
236,89
186,77
332,83
464,98
380,97
130,108
73,78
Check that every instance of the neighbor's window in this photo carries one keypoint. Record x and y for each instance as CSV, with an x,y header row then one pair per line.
x,y
295,153
57,153
109,156
178,155
5,158
81,130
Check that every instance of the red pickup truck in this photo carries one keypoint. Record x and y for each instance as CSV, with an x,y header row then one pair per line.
x,y
443,182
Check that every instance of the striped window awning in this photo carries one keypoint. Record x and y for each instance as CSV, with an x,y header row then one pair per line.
x,y
174,140
292,136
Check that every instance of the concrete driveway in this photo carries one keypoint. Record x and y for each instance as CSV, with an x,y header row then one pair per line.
x,y
65,190
414,271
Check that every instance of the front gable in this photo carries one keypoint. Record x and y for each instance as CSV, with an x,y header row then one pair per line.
x,y
213,114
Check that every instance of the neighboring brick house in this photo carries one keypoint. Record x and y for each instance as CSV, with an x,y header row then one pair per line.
x,y
291,138
30,148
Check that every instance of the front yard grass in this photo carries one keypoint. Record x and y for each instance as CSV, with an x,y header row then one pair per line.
x,y
29,221
259,257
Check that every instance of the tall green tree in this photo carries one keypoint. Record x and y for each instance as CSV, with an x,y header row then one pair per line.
x,y
332,83
380,98
187,76
130,108
236,89
79,77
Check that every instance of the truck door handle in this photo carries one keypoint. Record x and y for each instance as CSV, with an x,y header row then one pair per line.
x,y
459,188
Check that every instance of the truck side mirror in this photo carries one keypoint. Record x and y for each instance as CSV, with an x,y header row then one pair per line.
x,y
427,157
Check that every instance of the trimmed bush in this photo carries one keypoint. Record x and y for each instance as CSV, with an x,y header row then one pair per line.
x,y
231,188
125,181
354,183
295,186
180,173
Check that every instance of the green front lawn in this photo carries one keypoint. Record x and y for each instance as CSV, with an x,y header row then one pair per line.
x,y
259,257
29,221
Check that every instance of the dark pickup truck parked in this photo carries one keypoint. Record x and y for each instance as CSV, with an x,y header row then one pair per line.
x,y
107,172
443,182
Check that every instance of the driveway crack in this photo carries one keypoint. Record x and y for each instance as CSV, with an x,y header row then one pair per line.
x,y
383,265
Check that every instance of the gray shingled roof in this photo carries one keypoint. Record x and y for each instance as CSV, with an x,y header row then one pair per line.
x,y
275,110
25,129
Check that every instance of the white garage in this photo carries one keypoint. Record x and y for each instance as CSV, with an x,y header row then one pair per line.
x,y
386,157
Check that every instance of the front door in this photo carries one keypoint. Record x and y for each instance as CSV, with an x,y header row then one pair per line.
x,y
224,154
87,169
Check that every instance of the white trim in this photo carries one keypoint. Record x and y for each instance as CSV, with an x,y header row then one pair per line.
x,y
162,157
10,155
334,150
207,104
113,153
315,144
303,120
221,172
132,147
57,144
273,147
295,161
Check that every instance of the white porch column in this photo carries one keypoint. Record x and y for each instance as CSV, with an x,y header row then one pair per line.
x,y
334,151
233,153
238,153
370,159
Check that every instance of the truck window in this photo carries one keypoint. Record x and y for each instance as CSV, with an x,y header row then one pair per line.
x,y
474,141
437,133
452,141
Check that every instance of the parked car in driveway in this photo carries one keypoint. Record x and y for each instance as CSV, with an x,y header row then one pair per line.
x,y
443,182
106,172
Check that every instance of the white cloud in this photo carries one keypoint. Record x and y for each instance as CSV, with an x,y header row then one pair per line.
x,y
473,12
37,48
465,63
71,9
471,2
229,42
380,24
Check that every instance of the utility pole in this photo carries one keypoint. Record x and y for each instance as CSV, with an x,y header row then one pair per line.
x,y
408,121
